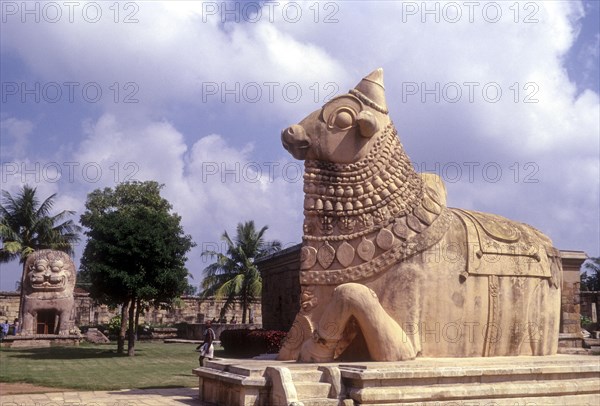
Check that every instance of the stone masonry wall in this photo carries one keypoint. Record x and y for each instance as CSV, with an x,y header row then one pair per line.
x,y
570,326
9,306
281,288
86,313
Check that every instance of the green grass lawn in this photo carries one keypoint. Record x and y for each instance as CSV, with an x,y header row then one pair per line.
x,y
99,367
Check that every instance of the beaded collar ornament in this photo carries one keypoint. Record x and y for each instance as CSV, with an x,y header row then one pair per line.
x,y
360,214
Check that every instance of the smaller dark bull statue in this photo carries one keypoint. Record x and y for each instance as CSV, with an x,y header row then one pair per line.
x,y
388,272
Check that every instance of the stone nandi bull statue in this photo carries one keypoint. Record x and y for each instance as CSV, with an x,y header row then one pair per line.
x,y
388,271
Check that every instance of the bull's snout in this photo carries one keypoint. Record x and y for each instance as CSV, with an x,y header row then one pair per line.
x,y
296,141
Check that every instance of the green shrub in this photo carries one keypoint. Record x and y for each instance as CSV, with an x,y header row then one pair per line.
x,y
585,320
144,330
114,326
249,343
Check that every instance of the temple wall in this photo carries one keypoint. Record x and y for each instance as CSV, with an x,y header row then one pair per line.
x,y
281,288
86,313
570,321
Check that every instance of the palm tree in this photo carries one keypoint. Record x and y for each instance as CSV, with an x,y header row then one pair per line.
x,y
590,278
26,226
234,275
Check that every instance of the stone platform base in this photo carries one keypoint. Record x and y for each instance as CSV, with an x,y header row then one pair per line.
x,y
40,340
566,340
514,381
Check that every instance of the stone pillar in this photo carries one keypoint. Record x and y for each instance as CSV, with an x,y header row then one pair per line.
x,y
570,328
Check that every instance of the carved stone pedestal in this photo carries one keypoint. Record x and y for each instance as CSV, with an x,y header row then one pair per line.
x,y
40,340
524,380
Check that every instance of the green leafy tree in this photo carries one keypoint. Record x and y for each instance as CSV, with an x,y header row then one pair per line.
x,y
234,275
590,278
136,252
191,290
26,225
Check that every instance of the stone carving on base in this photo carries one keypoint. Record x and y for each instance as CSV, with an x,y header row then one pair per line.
x,y
48,287
388,272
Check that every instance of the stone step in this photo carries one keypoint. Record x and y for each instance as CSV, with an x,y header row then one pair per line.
x,y
312,390
498,381
575,400
323,402
484,370
418,394
306,375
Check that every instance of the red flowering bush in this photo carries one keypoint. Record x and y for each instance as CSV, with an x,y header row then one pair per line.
x,y
249,343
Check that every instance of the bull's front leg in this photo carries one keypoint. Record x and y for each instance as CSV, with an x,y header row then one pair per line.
x,y
386,340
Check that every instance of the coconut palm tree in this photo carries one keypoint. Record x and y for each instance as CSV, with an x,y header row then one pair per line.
x,y
26,225
590,278
234,275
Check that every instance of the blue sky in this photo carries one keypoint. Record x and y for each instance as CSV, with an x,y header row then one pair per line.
x,y
499,98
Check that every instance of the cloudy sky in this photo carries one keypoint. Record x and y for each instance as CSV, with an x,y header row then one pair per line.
x,y
499,98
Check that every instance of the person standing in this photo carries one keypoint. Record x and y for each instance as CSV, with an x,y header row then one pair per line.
x,y
207,348
4,330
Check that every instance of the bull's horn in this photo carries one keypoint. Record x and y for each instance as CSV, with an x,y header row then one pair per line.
x,y
370,91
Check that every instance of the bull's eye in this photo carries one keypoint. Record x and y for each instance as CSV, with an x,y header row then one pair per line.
x,y
342,119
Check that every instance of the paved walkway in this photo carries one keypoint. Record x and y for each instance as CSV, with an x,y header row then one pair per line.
x,y
125,397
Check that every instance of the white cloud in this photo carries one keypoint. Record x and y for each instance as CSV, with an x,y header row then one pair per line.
x,y
171,54
212,185
175,51
14,137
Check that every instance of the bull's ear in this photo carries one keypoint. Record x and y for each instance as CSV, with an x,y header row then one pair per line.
x,y
368,123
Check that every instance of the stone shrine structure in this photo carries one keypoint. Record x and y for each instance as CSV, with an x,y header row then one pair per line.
x,y
570,335
280,297
388,272
48,300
